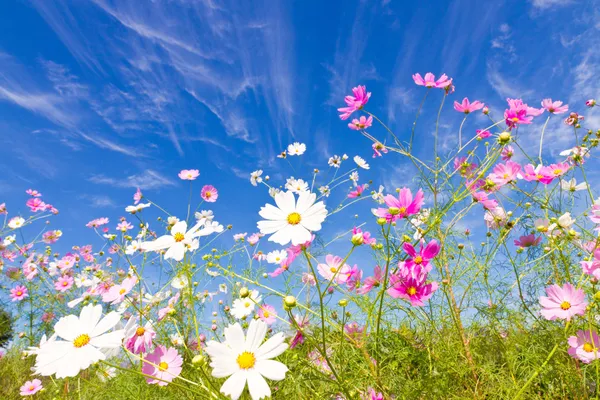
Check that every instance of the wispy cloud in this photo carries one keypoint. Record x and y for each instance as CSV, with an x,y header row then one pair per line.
x,y
548,4
505,87
98,201
148,179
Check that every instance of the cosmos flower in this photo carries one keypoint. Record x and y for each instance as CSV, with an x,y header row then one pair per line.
x,y
585,346
292,221
503,174
410,283
430,82
554,107
400,207
84,338
137,196
164,364
117,293
562,302
334,161
333,270
467,107
276,257
507,153
483,134
357,192
188,174
95,223
495,218
64,283
178,241
572,186
136,208
138,339
209,193
296,185
30,388
361,123
245,359
528,241
243,307
361,162
371,282
18,293
255,177
379,149
267,314
16,222
296,149
425,254
356,102
359,237
540,174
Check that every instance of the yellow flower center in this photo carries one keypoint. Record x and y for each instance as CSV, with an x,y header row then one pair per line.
x,y
294,218
247,304
179,236
402,210
140,331
333,269
19,293
207,194
122,291
411,291
588,347
266,314
81,340
163,366
246,360
31,388
515,119
557,171
565,305
418,260
65,283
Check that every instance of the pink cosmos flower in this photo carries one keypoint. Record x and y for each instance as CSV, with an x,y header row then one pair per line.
x,y
163,312
33,193
503,174
495,218
539,174
284,265
140,340
361,123
554,107
302,323
354,331
267,314
63,283
359,237
354,277
188,174
595,212
137,197
430,82
372,395
95,223
18,293
401,207
372,281
528,241
425,254
591,268
585,346
36,204
378,149
467,107
164,364
253,239
356,102
51,237
483,134
410,284
209,193
117,293
466,168
357,192
507,153
519,113
334,270
30,388
3,210
299,248
485,110
562,303
124,226
559,169
308,279
590,103
573,119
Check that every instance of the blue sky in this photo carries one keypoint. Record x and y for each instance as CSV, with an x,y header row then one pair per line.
x,y
100,97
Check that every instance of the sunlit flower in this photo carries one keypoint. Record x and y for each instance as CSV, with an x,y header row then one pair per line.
x,y
18,293
371,282
209,193
430,82
361,162
292,221
585,346
335,161
401,207
379,149
30,388
64,283
84,338
247,360
528,241
255,177
16,222
356,102
467,107
117,293
361,123
357,192
137,208
138,339
178,241
555,107
164,364
410,283
572,186
188,174
276,257
243,307
507,153
495,217
267,314
563,302
424,256
296,149
296,185
333,270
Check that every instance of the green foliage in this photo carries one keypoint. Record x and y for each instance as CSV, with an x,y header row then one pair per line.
x,y
6,327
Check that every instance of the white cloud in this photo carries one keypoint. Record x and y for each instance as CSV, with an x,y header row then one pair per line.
x,y
547,4
149,179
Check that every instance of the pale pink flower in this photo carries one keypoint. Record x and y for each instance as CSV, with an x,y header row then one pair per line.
x,y
137,197
18,293
308,279
124,226
36,204
495,218
483,134
378,149
467,107
485,110
63,283
590,103
333,270
51,237
95,223
558,169
528,241
554,107
117,293
163,364
267,314
466,168
361,123
354,103
585,346
573,119
138,340
372,281
507,153
430,82
30,388
3,210
503,174
357,192
563,303
188,174
209,193
33,193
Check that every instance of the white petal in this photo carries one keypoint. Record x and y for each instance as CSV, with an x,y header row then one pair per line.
x,y
267,227
255,335
176,252
68,328
299,234
269,211
272,347
108,322
305,200
257,386
90,315
161,243
234,386
234,336
179,227
286,202
282,236
109,340
271,369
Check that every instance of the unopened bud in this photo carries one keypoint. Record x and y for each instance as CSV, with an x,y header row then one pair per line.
x,y
289,301
343,303
504,137
381,221
357,239
244,292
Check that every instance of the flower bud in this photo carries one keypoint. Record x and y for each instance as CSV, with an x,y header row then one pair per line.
x,y
357,239
289,302
504,137
394,210
381,221
343,303
597,296
244,292
198,360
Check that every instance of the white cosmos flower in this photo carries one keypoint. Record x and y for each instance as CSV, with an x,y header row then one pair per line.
x,y
361,162
204,215
572,185
133,247
176,339
292,221
273,191
255,177
334,161
179,282
296,185
137,208
243,307
324,190
16,222
179,241
296,149
276,257
245,360
84,340
354,178
9,240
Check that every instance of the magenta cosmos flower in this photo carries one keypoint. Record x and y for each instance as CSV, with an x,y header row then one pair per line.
x,y
361,123
425,254
379,149
585,346
483,134
519,113
507,153
188,174
30,388
357,192
467,107
209,193
356,102
562,303
554,107
401,207
371,282
538,174
528,241
18,293
410,283
63,283
164,364
334,270
430,82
